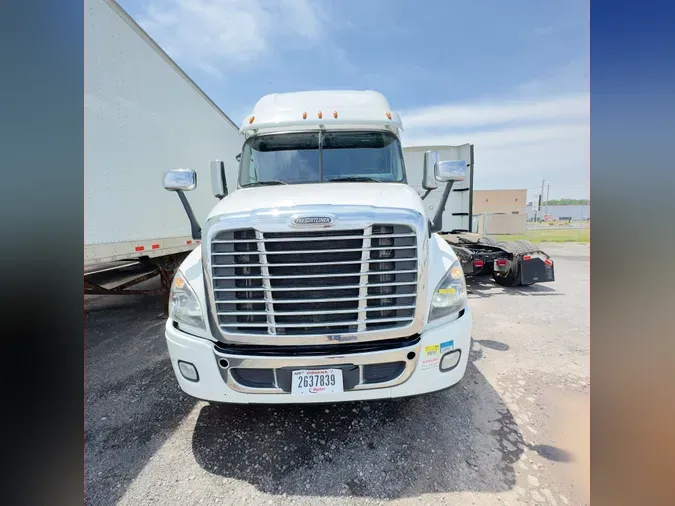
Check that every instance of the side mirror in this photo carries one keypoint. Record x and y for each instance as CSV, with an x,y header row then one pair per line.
x,y
429,179
450,170
218,180
180,180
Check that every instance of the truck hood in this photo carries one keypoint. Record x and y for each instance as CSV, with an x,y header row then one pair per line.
x,y
392,195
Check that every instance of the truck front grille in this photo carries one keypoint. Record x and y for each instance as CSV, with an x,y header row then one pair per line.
x,y
314,283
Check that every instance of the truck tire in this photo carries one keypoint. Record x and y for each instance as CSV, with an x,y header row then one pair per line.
x,y
512,277
507,246
488,241
526,246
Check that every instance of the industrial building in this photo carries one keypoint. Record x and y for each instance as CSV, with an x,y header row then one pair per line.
x,y
500,211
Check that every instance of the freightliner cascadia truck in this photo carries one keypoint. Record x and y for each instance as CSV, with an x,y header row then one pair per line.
x,y
319,277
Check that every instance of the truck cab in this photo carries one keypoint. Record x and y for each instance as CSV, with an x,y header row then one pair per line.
x,y
319,277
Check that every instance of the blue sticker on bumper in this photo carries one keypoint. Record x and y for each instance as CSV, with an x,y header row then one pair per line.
x,y
447,346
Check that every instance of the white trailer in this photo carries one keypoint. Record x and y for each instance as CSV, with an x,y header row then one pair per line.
x,y
143,116
458,208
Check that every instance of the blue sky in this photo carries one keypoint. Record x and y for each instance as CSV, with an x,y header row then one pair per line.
x,y
510,77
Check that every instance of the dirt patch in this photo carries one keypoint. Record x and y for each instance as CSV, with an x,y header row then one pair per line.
x,y
569,430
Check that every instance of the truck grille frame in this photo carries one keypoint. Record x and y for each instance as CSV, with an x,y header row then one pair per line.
x,y
269,282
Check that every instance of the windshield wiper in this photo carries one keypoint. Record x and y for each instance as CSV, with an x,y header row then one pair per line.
x,y
263,183
355,179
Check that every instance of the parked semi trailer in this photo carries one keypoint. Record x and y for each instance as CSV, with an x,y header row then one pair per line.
x,y
511,263
142,114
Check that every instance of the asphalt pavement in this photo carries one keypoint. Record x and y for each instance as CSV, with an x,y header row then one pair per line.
x,y
514,431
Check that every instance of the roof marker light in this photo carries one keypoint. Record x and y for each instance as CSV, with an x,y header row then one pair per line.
x,y
388,115
304,115
251,120
335,114
320,115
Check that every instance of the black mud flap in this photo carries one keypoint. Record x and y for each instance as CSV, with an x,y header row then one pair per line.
x,y
535,270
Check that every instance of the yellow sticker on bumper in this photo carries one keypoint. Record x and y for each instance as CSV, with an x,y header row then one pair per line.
x,y
432,356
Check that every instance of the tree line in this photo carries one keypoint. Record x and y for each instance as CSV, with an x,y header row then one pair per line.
x,y
567,202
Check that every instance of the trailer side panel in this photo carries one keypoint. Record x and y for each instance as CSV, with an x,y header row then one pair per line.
x,y
143,115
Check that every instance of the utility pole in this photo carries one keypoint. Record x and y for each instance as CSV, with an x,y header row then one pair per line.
x,y
548,192
541,196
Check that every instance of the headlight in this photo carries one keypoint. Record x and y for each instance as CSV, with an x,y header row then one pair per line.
x,y
450,294
183,303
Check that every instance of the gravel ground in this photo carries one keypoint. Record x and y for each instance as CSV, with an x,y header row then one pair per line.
x,y
514,431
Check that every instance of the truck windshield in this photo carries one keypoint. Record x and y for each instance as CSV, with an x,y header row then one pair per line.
x,y
314,157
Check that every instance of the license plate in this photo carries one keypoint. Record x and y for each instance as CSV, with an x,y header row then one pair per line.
x,y
317,381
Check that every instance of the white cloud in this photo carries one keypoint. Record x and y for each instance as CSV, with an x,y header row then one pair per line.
x,y
215,34
571,76
490,113
504,137
517,143
563,163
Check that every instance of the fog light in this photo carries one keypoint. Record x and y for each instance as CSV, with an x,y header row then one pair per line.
x,y
188,370
450,360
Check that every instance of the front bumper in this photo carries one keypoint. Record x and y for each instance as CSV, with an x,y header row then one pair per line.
x,y
418,375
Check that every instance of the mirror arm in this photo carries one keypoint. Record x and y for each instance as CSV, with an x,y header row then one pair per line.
x,y
437,223
426,194
194,226
218,179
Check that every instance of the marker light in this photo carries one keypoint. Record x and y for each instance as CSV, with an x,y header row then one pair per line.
x,y
456,271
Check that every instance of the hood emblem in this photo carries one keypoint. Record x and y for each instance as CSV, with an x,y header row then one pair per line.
x,y
313,221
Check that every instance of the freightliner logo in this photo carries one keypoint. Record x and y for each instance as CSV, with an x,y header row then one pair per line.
x,y
312,220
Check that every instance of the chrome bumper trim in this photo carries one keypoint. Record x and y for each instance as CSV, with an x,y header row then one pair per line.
x,y
358,359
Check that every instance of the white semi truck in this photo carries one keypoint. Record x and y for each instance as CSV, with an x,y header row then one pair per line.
x,y
320,278
142,115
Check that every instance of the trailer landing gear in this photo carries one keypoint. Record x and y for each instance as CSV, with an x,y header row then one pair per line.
x,y
124,278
